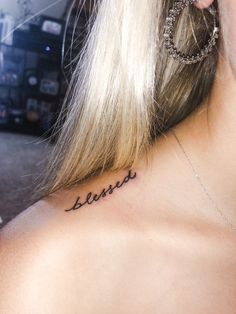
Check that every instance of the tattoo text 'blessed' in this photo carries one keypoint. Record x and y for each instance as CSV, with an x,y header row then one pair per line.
x,y
92,197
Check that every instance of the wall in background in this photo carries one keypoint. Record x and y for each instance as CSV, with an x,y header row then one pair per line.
x,y
54,8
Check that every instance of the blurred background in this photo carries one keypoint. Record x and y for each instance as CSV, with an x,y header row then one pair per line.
x,y
38,42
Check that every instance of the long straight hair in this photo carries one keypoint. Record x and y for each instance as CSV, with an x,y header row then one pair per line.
x,y
125,89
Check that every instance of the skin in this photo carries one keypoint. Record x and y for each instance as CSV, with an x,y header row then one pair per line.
x,y
176,256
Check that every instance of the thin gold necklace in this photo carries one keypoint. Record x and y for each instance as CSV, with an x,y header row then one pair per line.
x,y
226,219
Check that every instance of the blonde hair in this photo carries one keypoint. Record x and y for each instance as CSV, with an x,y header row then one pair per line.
x,y
126,90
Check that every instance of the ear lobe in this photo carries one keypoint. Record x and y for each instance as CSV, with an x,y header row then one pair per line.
x,y
203,4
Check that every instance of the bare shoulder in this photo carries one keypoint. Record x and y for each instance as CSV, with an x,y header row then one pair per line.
x,y
49,254
95,249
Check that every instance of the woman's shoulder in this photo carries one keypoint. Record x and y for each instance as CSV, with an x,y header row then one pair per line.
x,y
90,208
61,259
46,247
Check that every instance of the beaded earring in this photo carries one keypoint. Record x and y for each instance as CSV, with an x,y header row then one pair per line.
x,y
174,12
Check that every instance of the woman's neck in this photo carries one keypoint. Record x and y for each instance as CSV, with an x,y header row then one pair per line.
x,y
209,135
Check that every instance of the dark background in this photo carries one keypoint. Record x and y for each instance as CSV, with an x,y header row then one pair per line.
x,y
34,77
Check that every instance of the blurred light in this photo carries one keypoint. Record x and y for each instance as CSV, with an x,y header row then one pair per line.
x,y
47,48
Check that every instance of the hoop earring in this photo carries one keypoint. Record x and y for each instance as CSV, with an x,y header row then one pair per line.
x,y
168,34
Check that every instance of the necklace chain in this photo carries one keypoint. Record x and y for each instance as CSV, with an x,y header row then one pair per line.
x,y
226,219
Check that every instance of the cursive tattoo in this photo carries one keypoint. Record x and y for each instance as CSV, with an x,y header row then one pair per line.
x,y
91,198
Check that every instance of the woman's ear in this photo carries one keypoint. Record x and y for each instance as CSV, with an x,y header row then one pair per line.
x,y
203,4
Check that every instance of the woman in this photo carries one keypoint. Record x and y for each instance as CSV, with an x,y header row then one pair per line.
x,y
138,213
